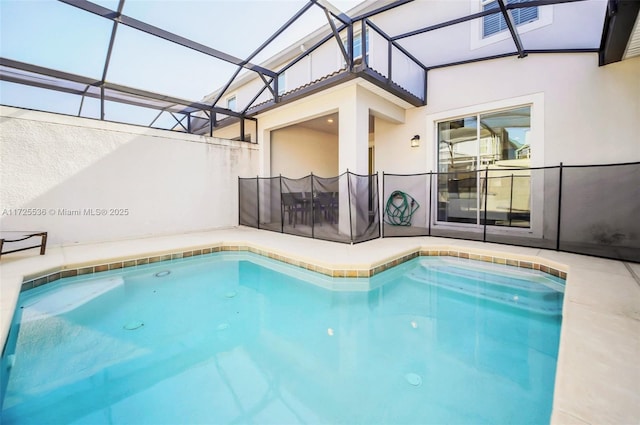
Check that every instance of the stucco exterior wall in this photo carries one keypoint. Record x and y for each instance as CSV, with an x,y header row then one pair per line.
x,y
577,25
296,152
299,74
150,182
353,102
589,114
581,114
245,94
232,131
325,59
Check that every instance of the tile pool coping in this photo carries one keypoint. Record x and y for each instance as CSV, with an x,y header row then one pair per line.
x,y
597,378
35,280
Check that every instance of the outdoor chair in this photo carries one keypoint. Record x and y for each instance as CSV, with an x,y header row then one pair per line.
x,y
293,206
326,206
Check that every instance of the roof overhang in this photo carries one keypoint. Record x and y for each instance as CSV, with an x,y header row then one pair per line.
x,y
621,31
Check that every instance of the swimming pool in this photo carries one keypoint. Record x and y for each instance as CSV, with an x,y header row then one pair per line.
x,y
237,338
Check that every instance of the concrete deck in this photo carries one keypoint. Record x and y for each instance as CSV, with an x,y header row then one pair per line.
x,y
598,374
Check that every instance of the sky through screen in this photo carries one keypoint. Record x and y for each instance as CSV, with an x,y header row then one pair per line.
x,y
55,35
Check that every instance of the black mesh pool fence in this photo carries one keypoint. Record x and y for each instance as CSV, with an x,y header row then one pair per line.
x,y
585,209
341,209
592,209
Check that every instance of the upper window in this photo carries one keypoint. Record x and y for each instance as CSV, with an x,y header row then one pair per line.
x,y
357,46
282,84
232,103
493,24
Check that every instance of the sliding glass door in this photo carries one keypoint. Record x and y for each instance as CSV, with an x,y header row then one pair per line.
x,y
480,161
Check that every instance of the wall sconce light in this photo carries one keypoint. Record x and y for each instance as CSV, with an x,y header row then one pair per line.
x,y
415,141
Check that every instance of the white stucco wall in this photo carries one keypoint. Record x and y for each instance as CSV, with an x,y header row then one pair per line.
x,y
354,101
581,114
298,75
590,114
325,59
393,150
576,25
161,182
232,131
297,152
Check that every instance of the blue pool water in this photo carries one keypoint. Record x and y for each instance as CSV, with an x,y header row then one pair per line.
x,y
236,338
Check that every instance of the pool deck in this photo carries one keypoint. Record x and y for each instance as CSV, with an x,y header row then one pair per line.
x,y
598,374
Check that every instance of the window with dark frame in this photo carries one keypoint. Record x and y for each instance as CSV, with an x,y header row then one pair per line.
x,y
494,24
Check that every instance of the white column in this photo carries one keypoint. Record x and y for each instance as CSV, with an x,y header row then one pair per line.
x,y
353,133
353,149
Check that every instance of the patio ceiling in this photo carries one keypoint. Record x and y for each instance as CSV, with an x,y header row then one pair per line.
x,y
166,48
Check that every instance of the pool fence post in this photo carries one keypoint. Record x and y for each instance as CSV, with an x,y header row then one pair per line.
x,y
559,208
313,210
486,192
378,192
258,198
281,206
349,205
381,213
511,201
430,207
239,201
